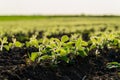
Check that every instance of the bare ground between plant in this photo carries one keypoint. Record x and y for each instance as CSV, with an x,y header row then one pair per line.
x,y
13,66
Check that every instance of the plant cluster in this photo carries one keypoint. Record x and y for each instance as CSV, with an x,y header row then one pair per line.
x,y
55,50
66,49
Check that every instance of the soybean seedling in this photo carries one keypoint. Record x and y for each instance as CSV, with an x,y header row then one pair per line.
x,y
3,41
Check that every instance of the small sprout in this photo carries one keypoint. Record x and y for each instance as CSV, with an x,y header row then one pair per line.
x,y
3,41
33,56
113,65
18,44
33,42
97,52
64,38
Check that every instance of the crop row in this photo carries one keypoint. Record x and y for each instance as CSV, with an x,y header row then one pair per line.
x,y
54,51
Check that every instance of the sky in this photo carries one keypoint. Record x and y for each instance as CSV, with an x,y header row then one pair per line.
x,y
53,7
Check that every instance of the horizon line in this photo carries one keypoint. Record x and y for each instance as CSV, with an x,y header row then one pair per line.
x,y
60,14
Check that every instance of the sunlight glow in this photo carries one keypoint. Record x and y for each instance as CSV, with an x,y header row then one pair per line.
x,y
59,7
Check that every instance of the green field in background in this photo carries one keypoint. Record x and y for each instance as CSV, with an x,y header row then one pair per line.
x,y
11,24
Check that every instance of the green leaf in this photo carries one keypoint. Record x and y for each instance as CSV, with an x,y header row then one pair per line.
x,y
27,44
113,65
34,43
52,44
65,58
115,41
18,44
5,39
64,38
82,53
6,47
78,43
45,57
69,44
84,43
93,40
63,52
33,56
92,47
10,44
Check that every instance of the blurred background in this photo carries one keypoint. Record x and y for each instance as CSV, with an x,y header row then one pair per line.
x,y
59,7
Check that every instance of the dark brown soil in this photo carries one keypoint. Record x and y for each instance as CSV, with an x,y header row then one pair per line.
x,y
13,66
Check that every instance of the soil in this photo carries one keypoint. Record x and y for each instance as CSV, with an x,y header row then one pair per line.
x,y
13,66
